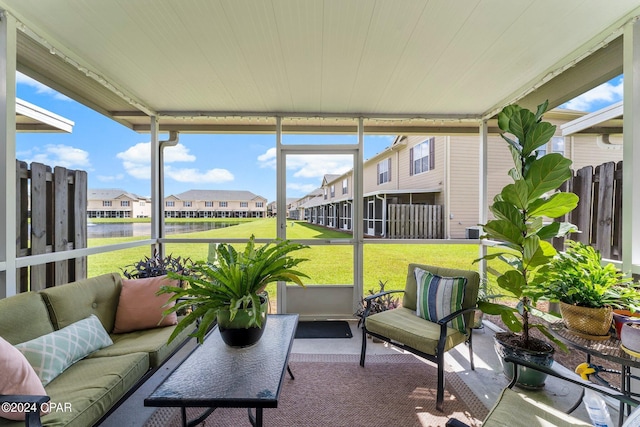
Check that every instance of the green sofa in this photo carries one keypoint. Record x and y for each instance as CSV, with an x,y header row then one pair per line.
x,y
95,384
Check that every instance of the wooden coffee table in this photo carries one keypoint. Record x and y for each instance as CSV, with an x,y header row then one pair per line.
x,y
215,375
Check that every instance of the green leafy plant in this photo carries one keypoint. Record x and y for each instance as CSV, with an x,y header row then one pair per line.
x,y
233,282
155,266
520,211
578,277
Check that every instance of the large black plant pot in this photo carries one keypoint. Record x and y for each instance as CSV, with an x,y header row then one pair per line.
x,y
235,333
528,378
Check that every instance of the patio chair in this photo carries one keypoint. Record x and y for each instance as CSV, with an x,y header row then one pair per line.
x,y
429,339
516,409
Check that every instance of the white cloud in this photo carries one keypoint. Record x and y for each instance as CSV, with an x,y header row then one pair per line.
x,y
137,170
605,93
302,188
212,176
40,88
268,159
311,165
110,178
318,165
141,153
136,160
60,155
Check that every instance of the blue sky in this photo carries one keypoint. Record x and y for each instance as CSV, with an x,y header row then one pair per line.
x,y
117,157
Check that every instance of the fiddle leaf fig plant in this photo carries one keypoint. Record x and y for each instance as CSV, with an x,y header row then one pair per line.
x,y
521,224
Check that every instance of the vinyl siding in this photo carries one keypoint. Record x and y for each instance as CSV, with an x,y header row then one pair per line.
x,y
370,176
584,150
464,185
425,180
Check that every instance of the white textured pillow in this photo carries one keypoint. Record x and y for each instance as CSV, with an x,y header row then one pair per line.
x,y
51,354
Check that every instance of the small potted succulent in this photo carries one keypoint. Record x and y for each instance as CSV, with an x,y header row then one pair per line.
x,y
231,290
588,291
380,304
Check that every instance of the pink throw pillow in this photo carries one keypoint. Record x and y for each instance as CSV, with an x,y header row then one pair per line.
x,y
17,377
139,306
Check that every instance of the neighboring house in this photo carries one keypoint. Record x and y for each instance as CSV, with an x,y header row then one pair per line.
x,y
117,203
306,205
215,204
272,208
428,186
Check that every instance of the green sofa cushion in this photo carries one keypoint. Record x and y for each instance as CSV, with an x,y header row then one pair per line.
x,y
402,325
513,408
152,341
109,378
78,300
20,310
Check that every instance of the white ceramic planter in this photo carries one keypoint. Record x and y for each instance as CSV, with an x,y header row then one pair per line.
x,y
631,336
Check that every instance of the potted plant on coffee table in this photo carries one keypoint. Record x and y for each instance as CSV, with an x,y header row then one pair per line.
x,y
522,235
231,290
588,291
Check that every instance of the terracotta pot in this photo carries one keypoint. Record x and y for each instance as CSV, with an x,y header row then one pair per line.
x,y
586,320
620,317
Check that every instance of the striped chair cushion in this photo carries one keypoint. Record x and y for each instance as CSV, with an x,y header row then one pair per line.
x,y
440,296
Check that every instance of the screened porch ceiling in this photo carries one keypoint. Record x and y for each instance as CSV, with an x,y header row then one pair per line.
x,y
232,66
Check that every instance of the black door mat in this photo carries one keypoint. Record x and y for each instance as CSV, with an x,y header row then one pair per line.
x,y
324,329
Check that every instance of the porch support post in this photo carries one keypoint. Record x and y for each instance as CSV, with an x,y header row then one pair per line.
x,y
281,207
358,226
157,196
482,190
8,280
631,150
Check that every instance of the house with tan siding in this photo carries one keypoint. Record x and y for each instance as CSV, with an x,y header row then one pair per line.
x,y
116,203
427,186
215,204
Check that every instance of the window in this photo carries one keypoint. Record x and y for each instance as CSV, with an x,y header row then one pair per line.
x,y
244,204
333,191
106,203
124,203
222,204
384,171
208,204
259,204
186,204
325,193
422,157
345,186
170,204
542,150
557,144
141,203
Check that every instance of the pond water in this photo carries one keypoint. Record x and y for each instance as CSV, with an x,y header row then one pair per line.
x,y
136,229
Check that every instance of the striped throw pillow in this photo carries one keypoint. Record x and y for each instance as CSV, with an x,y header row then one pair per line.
x,y
439,296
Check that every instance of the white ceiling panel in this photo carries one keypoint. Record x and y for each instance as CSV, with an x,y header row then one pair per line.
x,y
235,59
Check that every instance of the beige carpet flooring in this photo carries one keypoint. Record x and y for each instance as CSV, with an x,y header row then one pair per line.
x,y
333,390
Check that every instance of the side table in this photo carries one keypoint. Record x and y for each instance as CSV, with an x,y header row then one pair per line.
x,y
608,350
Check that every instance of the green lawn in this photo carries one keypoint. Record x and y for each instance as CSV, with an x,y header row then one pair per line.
x,y
330,264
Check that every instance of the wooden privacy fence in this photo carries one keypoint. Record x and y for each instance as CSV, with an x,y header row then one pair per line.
x,y
57,205
415,221
599,212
